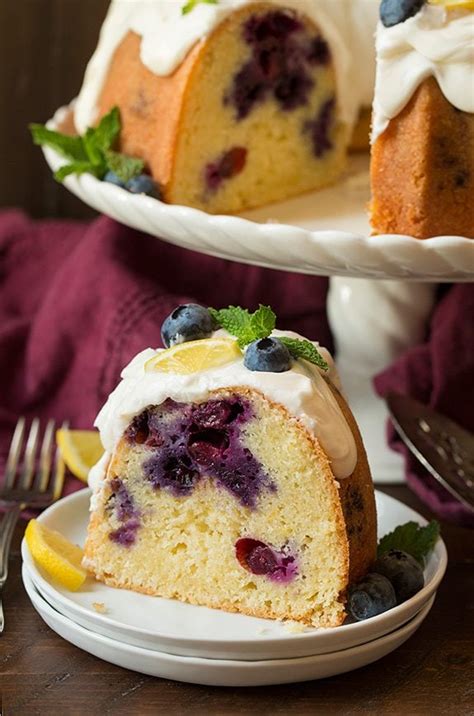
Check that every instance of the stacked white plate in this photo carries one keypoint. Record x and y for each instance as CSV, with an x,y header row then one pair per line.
x,y
180,641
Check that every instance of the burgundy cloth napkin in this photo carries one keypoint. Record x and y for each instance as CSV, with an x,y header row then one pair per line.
x,y
439,373
78,301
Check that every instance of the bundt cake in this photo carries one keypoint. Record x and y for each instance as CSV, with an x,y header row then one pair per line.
x,y
235,103
233,478
422,169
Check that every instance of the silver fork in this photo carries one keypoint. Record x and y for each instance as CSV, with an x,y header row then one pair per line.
x,y
29,482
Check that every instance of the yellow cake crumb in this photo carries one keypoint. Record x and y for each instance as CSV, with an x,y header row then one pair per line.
x,y
100,607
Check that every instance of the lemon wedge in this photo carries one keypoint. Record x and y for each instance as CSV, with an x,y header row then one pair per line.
x,y
56,555
80,450
194,356
454,4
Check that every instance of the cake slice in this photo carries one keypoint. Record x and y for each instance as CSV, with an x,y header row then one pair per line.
x,y
233,104
234,479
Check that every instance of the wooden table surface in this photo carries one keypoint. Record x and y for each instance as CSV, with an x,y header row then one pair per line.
x,y
432,673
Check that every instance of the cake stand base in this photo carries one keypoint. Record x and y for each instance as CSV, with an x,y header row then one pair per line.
x,y
373,322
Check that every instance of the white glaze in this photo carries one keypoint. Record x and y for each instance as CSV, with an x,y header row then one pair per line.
x,y
432,43
302,390
167,36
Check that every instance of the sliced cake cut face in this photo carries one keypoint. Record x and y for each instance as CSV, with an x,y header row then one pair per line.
x,y
226,503
262,121
251,116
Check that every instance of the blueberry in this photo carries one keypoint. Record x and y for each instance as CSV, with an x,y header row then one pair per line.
x,y
392,12
143,184
189,322
404,572
207,447
112,178
255,556
372,596
268,354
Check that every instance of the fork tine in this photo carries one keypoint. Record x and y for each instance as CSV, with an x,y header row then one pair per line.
x,y
46,456
30,455
14,454
59,470
8,523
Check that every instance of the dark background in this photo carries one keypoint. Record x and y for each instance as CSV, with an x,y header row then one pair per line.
x,y
44,49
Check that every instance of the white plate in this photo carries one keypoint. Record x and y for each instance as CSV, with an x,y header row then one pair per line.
x,y
185,629
220,672
324,233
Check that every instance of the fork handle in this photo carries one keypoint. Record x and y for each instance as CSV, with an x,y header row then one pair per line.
x,y
10,518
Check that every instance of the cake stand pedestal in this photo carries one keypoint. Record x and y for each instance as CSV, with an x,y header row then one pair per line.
x,y
382,287
373,322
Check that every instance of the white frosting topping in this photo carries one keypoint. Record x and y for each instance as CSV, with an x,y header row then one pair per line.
x,y
168,35
434,42
302,390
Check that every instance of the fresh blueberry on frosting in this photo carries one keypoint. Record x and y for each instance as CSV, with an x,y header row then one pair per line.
x,y
268,354
189,322
393,12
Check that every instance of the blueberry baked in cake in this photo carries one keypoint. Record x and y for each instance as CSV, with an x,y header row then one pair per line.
x,y
234,103
234,475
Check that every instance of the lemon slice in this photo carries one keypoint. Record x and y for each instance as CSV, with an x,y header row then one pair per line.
x,y
194,356
80,450
56,555
454,4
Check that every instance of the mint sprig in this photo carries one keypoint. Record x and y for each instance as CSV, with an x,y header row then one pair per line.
x,y
411,538
249,327
304,349
245,326
91,153
191,4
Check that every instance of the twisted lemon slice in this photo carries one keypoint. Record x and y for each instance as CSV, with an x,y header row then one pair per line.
x,y
80,450
194,356
56,555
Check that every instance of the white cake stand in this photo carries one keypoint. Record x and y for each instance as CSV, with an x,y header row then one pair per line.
x,y
382,288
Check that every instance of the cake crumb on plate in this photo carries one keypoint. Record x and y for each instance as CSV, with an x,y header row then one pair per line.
x,y
100,607
294,627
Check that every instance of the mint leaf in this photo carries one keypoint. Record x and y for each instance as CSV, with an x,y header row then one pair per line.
x,y
107,131
69,147
262,322
246,327
98,140
123,166
74,168
237,321
93,152
191,4
412,538
301,348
